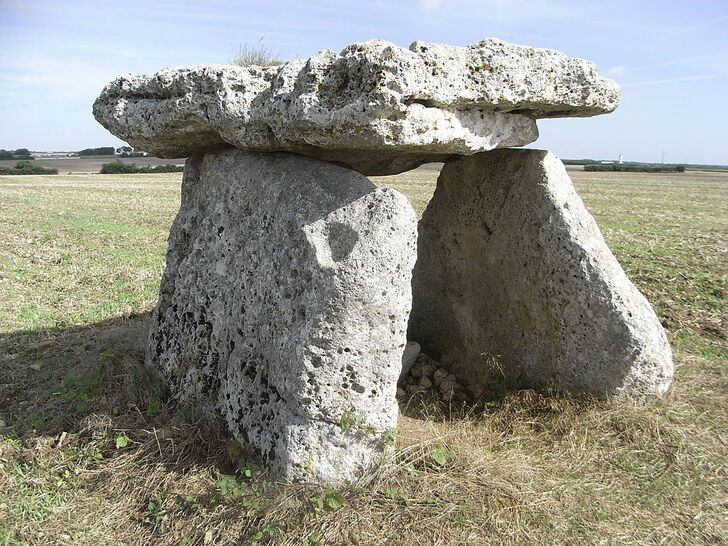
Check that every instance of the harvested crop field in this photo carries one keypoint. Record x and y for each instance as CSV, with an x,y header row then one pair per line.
x,y
92,453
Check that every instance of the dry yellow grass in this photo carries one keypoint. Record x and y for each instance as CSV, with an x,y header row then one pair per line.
x,y
92,453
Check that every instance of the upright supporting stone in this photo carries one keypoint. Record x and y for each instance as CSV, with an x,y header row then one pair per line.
x,y
286,298
512,266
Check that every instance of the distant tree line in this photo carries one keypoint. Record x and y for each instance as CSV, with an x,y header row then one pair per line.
x,y
581,161
26,167
118,167
622,167
106,150
20,153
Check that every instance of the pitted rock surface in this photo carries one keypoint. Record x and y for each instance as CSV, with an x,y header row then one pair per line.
x,y
376,107
286,297
511,266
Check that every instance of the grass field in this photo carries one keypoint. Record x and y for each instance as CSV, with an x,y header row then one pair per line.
x,y
91,453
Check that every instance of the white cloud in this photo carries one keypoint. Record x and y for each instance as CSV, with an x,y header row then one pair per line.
x,y
615,70
692,28
673,80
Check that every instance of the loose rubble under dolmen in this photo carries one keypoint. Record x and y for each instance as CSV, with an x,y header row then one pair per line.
x,y
291,281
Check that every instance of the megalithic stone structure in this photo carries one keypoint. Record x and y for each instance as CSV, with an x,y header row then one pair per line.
x,y
512,268
286,297
376,107
287,291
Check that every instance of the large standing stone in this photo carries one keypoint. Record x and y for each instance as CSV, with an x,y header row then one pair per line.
x,y
512,266
377,107
286,297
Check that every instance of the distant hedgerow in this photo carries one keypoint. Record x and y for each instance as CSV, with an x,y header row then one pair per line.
x,y
26,167
20,153
118,167
636,168
105,150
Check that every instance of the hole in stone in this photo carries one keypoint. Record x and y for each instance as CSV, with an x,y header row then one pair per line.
x,y
342,239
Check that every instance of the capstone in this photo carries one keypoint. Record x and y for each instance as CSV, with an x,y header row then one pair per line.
x,y
375,107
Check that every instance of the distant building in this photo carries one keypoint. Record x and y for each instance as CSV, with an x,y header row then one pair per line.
x,y
129,151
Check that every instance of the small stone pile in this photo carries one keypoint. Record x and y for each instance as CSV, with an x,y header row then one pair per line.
x,y
429,376
292,282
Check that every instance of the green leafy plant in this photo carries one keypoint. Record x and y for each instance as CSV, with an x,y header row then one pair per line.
x,y
399,497
80,391
497,385
121,440
350,420
329,500
230,486
245,467
153,408
441,455
188,502
154,508
269,529
185,415
436,501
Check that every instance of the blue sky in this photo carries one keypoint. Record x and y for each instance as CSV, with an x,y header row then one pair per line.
x,y
670,57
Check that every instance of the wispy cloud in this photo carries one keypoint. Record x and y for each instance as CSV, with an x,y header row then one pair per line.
x,y
673,80
622,69
694,27
430,4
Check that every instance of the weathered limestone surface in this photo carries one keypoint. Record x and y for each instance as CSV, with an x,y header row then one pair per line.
x,y
286,297
376,107
512,266
409,357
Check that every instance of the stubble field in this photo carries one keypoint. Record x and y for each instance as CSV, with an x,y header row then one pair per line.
x,y
92,453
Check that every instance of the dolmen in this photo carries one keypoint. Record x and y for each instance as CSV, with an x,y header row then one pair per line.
x,y
293,283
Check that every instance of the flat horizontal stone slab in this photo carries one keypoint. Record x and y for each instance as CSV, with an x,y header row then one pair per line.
x,y
376,107
512,270
284,304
